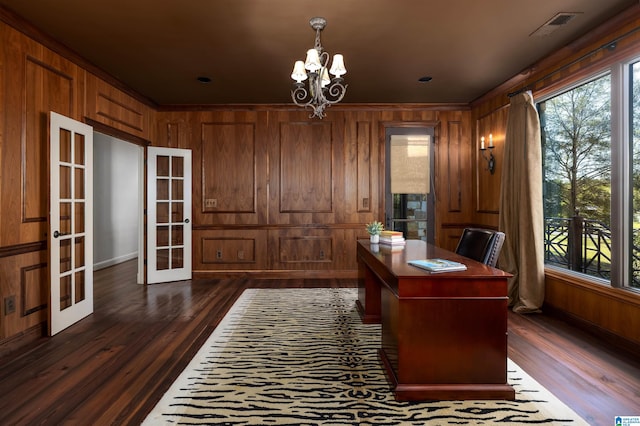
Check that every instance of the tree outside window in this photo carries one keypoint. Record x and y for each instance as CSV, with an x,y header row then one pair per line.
x,y
576,142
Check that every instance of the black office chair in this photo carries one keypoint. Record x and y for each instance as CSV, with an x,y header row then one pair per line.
x,y
483,245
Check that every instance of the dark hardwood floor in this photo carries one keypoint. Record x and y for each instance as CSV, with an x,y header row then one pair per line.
x,y
113,366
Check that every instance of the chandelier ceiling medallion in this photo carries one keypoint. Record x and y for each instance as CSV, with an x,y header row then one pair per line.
x,y
313,88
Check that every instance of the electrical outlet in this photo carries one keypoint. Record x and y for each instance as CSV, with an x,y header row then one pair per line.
x,y
365,203
240,254
211,202
219,254
9,304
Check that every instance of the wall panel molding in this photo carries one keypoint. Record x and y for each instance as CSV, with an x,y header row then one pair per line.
x,y
453,173
228,167
306,181
46,89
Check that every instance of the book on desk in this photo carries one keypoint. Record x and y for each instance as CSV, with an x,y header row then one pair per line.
x,y
392,238
438,265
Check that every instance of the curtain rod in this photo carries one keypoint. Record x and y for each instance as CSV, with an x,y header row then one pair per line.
x,y
609,46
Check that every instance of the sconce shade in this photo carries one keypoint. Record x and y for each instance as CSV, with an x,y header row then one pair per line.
x,y
299,74
337,67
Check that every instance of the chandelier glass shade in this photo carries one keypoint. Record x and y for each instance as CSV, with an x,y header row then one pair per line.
x,y
313,87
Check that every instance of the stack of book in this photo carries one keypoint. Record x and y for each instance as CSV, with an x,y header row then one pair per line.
x,y
392,239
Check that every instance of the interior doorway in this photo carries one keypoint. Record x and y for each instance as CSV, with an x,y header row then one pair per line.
x,y
409,182
118,202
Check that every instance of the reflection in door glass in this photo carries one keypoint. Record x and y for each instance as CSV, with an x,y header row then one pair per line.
x,y
413,209
65,292
80,288
409,183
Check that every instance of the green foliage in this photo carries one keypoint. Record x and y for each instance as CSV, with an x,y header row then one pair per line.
x,y
577,151
374,228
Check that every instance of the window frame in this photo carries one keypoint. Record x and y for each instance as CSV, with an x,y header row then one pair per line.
x,y
621,167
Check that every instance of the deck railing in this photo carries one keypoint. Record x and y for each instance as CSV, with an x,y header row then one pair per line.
x,y
584,245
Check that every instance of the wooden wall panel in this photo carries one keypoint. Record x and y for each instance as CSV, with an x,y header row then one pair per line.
x,y
452,195
33,296
363,166
35,82
305,248
112,107
47,89
172,134
25,278
306,167
228,168
488,185
234,249
229,164
609,310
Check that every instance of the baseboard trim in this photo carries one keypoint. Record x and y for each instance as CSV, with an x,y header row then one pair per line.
x,y
19,342
114,261
275,274
609,338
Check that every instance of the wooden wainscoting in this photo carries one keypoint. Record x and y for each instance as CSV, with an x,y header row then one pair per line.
x,y
612,313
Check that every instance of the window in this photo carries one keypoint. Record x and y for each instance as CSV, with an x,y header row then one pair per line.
x,y
591,171
635,174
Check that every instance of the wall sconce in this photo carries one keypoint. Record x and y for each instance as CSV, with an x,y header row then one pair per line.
x,y
491,160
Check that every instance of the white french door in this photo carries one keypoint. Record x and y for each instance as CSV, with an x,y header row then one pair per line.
x,y
70,221
168,214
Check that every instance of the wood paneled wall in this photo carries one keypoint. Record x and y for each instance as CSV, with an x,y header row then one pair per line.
x,y
275,193
279,194
34,81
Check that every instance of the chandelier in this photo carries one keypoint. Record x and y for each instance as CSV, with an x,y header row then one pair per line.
x,y
313,88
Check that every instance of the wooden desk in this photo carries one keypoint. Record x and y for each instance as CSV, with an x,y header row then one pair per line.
x,y
444,335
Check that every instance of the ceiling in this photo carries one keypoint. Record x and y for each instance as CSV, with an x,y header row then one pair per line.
x,y
247,47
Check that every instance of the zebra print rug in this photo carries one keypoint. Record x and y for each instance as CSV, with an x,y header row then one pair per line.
x,y
303,357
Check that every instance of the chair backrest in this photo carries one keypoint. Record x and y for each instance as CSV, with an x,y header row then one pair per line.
x,y
482,245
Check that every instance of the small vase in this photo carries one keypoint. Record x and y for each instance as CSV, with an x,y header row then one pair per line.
x,y
375,239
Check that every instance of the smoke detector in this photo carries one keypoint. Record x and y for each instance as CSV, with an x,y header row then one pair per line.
x,y
559,20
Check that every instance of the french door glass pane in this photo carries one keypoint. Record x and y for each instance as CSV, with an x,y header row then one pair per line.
x,y
79,253
65,218
65,146
65,292
80,292
65,256
78,149
78,220
65,182
78,183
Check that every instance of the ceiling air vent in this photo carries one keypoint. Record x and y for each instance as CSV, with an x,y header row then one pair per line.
x,y
554,23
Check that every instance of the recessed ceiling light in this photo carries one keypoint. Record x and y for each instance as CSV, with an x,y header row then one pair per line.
x,y
204,79
425,79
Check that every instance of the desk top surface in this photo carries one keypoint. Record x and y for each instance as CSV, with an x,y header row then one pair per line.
x,y
395,262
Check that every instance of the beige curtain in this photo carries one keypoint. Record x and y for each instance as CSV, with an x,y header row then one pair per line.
x,y
521,215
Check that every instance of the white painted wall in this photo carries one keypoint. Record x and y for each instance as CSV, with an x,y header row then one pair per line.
x,y
115,200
